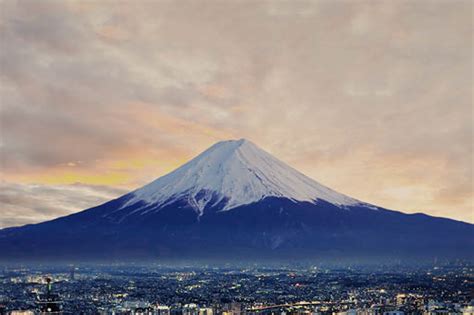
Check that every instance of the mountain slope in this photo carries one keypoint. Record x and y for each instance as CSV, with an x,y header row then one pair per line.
x,y
237,201
239,173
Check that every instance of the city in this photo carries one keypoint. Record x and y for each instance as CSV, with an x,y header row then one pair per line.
x,y
247,289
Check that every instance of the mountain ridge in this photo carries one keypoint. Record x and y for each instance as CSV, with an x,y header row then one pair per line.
x,y
236,201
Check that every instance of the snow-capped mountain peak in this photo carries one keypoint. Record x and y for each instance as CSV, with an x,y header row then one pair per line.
x,y
235,173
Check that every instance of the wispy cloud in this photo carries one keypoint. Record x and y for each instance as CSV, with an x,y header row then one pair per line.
x,y
28,203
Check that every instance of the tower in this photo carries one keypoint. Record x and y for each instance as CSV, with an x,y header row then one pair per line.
x,y
72,275
49,303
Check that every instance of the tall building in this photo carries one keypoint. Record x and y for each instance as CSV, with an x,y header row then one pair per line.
x,y
49,303
72,275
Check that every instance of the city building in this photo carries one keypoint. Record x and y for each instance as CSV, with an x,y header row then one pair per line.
x,y
49,303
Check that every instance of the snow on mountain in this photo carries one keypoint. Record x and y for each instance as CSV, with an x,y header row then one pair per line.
x,y
190,214
235,172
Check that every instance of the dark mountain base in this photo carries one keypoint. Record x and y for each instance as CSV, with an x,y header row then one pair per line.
x,y
272,229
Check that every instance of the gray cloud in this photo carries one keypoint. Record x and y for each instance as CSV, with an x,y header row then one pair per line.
x,y
30,203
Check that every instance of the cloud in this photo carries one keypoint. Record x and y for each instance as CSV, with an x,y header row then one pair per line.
x,y
371,98
30,203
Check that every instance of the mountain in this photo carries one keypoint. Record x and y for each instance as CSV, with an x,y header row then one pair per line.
x,y
233,174
236,201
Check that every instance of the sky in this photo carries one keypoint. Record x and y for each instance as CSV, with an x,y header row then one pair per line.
x,y
371,98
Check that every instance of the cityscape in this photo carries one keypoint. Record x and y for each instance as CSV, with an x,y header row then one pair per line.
x,y
228,290
236,157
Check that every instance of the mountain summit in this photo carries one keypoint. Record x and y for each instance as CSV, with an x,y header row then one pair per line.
x,y
234,173
236,201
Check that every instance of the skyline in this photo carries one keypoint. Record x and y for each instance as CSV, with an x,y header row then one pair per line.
x,y
372,99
